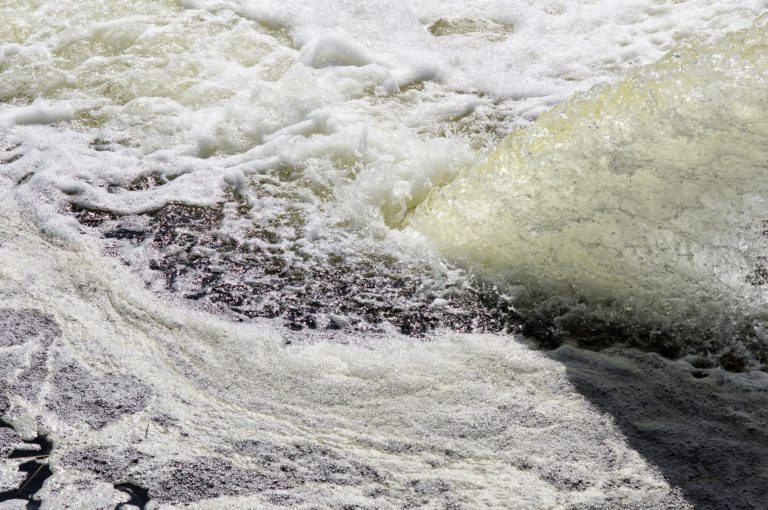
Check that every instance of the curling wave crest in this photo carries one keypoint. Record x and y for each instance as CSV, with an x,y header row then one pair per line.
x,y
640,206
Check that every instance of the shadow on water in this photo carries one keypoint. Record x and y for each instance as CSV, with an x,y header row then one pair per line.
x,y
139,496
35,468
706,430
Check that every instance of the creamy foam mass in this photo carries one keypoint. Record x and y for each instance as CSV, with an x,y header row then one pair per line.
x,y
215,292
643,200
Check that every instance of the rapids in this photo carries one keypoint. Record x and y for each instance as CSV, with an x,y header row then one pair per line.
x,y
219,282
638,205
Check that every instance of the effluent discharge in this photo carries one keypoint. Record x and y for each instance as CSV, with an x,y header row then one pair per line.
x,y
383,254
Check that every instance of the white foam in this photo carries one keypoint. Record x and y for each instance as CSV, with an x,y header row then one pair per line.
x,y
350,113
40,112
223,77
332,51
508,413
237,78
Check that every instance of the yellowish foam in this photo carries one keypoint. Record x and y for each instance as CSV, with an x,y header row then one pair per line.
x,y
650,193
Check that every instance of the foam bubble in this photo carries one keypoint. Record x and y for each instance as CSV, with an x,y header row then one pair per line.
x,y
40,112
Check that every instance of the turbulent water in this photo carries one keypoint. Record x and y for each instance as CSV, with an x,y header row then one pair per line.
x,y
638,204
268,255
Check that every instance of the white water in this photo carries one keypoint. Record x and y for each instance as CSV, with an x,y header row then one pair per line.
x,y
648,194
347,115
507,414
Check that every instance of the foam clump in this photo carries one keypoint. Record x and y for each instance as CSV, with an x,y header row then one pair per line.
x,y
42,112
333,51
9,50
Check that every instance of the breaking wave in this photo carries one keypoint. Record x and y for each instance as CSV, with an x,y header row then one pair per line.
x,y
638,207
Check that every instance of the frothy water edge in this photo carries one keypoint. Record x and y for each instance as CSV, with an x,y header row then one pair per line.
x,y
240,160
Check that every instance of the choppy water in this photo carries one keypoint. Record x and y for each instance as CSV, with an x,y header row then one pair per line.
x,y
266,254
639,205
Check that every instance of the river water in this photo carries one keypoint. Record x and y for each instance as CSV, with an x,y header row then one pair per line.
x,y
384,254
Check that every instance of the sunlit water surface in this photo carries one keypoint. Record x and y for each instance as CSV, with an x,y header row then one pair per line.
x,y
269,255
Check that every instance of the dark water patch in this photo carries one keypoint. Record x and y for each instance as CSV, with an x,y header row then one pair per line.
x,y
8,144
175,480
702,362
10,159
36,468
9,439
101,145
564,479
24,178
29,381
281,469
20,326
91,217
79,395
110,144
111,466
207,477
431,493
149,181
23,375
759,275
139,496
302,463
7,147
261,273
429,487
733,360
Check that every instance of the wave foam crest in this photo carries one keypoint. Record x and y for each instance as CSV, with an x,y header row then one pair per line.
x,y
639,204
